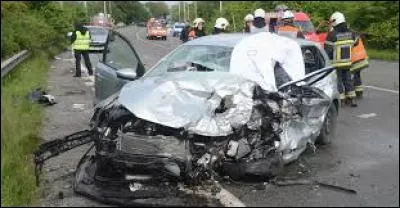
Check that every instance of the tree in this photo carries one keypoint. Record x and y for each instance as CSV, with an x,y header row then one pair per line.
x,y
157,9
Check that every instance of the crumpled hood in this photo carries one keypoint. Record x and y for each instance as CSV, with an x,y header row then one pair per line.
x,y
189,99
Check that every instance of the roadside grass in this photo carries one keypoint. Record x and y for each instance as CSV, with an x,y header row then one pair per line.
x,y
20,127
385,54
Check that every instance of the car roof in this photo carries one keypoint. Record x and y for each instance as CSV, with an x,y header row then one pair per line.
x,y
231,39
301,16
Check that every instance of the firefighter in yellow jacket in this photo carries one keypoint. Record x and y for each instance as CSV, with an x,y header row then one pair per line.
x,y
338,46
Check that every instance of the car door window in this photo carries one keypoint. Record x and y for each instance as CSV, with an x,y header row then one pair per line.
x,y
120,55
313,59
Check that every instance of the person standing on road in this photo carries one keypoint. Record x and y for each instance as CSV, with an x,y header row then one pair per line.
x,y
80,44
198,29
288,28
185,33
259,23
248,23
220,26
338,46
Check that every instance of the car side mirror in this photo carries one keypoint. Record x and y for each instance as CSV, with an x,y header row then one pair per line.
x,y
127,73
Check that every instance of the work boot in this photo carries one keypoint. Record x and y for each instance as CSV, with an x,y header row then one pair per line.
x,y
359,94
353,102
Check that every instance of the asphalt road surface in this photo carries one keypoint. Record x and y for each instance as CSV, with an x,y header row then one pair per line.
x,y
363,156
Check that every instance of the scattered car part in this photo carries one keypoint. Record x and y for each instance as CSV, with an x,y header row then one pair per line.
x,y
40,96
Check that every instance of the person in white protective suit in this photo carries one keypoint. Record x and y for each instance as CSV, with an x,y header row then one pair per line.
x,y
256,57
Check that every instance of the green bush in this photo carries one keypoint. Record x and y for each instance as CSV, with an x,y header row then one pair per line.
x,y
36,25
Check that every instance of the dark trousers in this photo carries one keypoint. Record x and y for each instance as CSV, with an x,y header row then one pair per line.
x,y
357,81
345,83
85,55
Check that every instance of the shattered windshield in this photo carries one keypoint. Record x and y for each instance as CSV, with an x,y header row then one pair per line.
x,y
97,31
305,26
194,58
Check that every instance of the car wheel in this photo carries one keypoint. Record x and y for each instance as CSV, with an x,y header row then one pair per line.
x,y
329,126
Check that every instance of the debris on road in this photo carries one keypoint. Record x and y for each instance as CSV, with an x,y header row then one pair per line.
x,y
291,182
41,97
78,106
354,175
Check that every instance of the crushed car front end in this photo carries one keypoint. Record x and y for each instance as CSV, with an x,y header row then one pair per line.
x,y
244,132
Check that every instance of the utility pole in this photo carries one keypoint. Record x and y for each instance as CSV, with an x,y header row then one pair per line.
x,y
195,8
220,7
188,11
184,12
109,7
105,8
179,11
85,5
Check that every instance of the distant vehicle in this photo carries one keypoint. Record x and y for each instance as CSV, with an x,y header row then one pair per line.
x,y
102,20
301,20
156,30
177,29
98,37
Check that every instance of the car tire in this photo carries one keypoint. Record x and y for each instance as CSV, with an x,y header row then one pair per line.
x,y
329,126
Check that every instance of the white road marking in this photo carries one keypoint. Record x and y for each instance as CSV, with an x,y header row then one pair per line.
x,y
226,198
78,106
367,115
382,89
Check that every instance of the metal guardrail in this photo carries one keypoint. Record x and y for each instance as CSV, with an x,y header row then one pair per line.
x,y
12,62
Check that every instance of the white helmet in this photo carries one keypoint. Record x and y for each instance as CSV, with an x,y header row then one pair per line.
x,y
337,18
197,21
249,17
287,14
259,13
221,23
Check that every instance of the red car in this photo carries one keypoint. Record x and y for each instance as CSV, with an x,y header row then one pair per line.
x,y
302,21
156,30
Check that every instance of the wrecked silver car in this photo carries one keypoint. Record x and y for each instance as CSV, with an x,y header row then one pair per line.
x,y
195,117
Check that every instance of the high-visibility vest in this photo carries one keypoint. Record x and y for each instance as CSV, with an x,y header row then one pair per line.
x,y
288,31
359,57
342,50
82,42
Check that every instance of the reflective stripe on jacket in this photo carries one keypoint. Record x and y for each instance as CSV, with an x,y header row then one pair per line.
x,y
342,50
82,42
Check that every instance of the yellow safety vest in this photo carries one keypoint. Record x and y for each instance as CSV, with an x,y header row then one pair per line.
x,y
82,42
342,50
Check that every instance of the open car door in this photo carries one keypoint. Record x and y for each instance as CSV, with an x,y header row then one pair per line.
x,y
120,64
